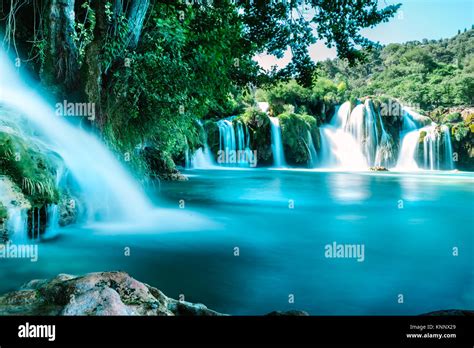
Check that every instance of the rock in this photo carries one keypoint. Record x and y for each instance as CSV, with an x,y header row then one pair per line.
x,y
292,313
177,176
105,293
69,209
11,195
451,312
378,169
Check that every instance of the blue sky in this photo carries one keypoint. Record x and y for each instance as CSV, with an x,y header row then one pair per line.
x,y
416,20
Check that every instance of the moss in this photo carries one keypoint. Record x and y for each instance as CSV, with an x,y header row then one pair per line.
x,y
295,128
422,136
258,125
29,168
454,117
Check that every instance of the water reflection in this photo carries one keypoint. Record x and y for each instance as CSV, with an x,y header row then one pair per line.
x,y
344,188
417,189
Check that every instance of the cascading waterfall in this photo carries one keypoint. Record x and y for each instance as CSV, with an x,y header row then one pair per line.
x,y
226,135
340,150
434,153
277,143
234,143
339,147
363,129
367,128
433,156
109,191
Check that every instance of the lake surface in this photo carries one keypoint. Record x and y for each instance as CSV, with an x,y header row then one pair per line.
x,y
281,221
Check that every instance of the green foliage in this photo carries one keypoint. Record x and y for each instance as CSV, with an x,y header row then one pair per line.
x,y
84,31
314,101
454,117
431,74
460,131
258,125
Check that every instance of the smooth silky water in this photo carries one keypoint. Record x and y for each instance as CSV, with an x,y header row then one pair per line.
x,y
190,251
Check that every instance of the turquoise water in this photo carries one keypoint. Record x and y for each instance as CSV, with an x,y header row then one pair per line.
x,y
281,222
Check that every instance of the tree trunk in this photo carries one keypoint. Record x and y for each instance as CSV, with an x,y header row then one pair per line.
x,y
136,16
60,69
93,69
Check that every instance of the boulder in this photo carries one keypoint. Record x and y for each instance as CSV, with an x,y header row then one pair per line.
x,y
98,294
378,169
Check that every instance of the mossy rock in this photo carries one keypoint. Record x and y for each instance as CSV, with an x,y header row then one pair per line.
x,y
453,117
29,167
422,137
258,124
295,128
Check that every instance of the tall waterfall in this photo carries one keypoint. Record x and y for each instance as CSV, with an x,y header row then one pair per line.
x,y
277,143
109,191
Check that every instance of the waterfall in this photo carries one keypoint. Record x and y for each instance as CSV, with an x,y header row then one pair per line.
x,y
16,224
202,159
277,144
355,140
187,159
234,144
367,128
437,148
434,153
448,148
408,151
226,135
340,150
341,115
109,191
313,155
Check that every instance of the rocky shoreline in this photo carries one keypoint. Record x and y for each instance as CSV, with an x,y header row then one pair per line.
x,y
113,294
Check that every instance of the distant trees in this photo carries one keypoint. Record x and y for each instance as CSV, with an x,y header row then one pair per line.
x,y
439,73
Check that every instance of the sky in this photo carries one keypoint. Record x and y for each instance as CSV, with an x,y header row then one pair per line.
x,y
415,20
